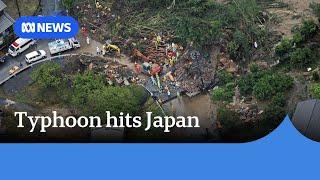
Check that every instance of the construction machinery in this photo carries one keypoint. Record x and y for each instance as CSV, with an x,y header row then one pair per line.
x,y
110,48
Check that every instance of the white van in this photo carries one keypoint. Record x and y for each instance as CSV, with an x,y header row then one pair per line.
x,y
35,56
19,46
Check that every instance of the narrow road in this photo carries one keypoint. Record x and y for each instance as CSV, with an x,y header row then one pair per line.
x,y
48,7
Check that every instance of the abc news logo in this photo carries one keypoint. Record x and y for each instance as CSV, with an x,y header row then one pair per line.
x,y
46,27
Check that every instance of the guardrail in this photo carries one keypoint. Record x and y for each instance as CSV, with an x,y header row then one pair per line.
x,y
62,56
36,63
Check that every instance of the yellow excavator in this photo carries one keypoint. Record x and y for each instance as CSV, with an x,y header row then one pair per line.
x,y
109,48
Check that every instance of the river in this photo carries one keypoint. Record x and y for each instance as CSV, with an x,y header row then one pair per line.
x,y
200,106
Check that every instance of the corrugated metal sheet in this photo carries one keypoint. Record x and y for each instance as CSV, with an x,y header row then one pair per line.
x,y
307,119
2,6
5,22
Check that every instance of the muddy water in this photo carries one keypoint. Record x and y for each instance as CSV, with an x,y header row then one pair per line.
x,y
200,106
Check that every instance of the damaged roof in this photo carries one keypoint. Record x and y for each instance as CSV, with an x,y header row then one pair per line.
x,y
307,119
2,6
5,22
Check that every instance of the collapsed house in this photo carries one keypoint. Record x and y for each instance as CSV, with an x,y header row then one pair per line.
x,y
114,72
194,72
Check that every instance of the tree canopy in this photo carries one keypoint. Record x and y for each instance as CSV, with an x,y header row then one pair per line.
x,y
48,75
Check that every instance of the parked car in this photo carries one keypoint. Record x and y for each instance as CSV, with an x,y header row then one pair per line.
x,y
35,56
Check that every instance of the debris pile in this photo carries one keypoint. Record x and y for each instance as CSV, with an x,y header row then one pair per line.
x,y
167,71
93,18
228,65
248,112
114,72
157,51
194,72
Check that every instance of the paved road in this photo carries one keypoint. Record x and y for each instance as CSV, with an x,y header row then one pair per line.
x,y
17,61
48,7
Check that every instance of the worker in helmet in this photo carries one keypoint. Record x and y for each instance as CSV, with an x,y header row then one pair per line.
x,y
158,41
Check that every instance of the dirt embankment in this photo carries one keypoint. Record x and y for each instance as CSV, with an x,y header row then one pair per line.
x,y
292,15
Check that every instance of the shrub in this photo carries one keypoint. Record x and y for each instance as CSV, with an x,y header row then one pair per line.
x,y
273,115
227,117
224,78
316,9
223,93
115,100
239,47
48,75
271,84
300,58
247,82
315,90
284,47
84,85
307,30
279,100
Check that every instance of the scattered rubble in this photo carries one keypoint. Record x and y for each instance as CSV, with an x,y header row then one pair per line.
x,y
114,72
228,65
194,72
173,69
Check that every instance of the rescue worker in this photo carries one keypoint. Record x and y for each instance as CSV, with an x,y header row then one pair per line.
x,y
158,41
88,40
98,50
137,68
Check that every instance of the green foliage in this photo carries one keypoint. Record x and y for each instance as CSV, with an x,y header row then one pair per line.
x,y
239,47
315,76
271,84
199,21
284,47
83,86
292,49
254,68
224,78
301,58
92,96
316,9
227,118
315,90
306,31
264,85
48,75
152,4
273,115
247,82
200,32
279,100
115,100
68,4
223,94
